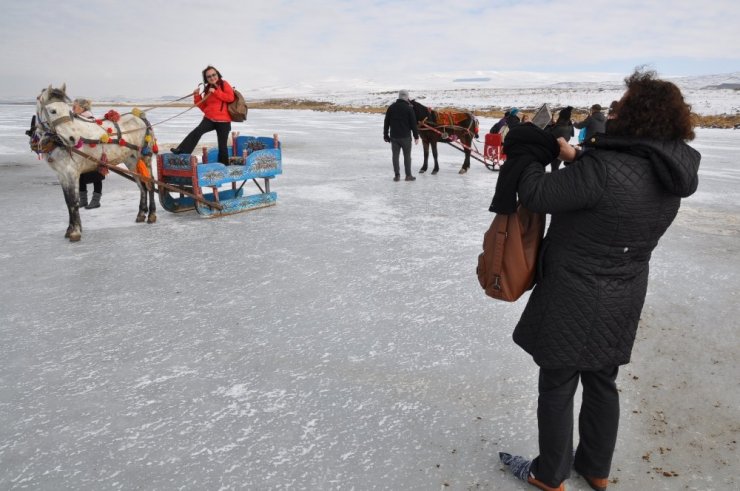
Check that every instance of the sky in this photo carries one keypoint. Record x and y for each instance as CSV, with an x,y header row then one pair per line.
x,y
155,48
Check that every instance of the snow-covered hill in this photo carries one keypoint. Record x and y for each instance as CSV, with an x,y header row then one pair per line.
x,y
708,94
486,89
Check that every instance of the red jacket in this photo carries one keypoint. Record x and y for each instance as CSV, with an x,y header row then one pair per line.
x,y
214,108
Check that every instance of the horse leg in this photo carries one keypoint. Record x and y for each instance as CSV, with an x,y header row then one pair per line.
x,y
425,145
466,163
71,198
435,155
141,216
152,206
147,190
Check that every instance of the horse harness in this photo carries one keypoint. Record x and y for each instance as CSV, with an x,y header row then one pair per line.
x,y
436,120
50,139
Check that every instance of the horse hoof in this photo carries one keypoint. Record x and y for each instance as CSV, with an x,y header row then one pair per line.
x,y
463,171
151,219
434,172
421,171
75,237
140,218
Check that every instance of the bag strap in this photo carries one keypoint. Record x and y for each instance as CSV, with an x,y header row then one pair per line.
x,y
498,257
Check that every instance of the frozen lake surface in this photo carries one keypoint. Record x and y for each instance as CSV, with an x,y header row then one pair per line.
x,y
338,340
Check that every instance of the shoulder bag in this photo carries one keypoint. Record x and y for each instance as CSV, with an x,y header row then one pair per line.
x,y
507,265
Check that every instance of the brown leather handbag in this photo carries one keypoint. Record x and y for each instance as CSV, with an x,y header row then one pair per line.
x,y
507,265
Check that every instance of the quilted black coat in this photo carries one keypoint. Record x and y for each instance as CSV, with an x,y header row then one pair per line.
x,y
609,209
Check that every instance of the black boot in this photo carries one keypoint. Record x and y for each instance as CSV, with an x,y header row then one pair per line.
x,y
83,199
94,202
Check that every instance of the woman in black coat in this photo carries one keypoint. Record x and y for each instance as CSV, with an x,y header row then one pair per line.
x,y
609,209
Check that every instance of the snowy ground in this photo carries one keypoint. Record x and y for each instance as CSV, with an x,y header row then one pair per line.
x,y
338,340
703,101
506,89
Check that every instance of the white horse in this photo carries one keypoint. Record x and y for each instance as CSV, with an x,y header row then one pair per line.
x,y
61,134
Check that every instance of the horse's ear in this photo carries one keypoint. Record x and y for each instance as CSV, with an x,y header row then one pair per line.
x,y
49,87
64,88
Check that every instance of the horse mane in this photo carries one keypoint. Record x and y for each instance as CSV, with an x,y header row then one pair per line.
x,y
420,110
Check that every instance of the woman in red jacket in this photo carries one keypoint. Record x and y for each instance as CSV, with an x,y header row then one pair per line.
x,y
217,94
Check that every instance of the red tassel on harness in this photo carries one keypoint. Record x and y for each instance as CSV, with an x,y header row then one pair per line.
x,y
102,169
112,116
142,169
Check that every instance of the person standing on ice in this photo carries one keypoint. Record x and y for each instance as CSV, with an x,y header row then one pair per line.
x,y
217,94
81,108
609,209
594,123
401,121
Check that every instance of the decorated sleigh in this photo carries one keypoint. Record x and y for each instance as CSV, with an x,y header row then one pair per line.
x,y
214,189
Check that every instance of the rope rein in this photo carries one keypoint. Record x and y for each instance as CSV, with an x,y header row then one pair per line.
x,y
183,112
150,125
49,125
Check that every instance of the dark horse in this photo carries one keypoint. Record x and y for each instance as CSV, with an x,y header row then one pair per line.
x,y
435,126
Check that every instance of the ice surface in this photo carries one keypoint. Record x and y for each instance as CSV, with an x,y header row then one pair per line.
x,y
338,340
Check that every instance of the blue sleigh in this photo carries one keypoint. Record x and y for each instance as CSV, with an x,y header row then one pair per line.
x,y
214,189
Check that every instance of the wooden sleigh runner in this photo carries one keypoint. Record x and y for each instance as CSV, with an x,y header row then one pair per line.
x,y
216,189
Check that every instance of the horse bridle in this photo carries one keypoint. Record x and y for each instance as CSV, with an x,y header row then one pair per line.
x,y
46,123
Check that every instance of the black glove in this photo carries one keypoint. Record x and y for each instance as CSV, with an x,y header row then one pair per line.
x,y
386,139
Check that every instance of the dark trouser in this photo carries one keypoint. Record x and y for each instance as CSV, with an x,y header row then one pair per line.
x,y
555,165
94,177
597,424
222,133
396,145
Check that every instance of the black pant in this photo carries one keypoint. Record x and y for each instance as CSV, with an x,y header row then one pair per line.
x,y
94,177
396,145
598,422
222,133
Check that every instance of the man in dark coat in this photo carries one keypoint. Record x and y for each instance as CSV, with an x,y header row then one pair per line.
x,y
609,209
401,121
594,123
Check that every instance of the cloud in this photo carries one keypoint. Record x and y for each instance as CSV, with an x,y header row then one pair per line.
x,y
159,49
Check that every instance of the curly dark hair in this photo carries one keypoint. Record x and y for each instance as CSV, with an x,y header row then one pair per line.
x,y
652,108
206,83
